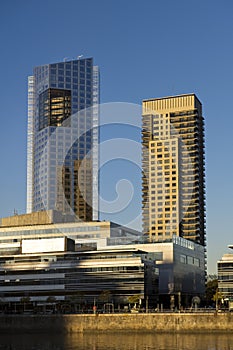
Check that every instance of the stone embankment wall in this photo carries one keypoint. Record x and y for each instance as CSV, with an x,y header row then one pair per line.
x,y
176,322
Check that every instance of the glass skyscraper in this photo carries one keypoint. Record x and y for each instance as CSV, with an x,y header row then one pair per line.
x,y
62,153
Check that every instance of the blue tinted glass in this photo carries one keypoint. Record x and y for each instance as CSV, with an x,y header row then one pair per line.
x,y
68,65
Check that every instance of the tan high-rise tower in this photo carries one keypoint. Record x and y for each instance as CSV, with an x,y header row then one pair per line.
x,y
173,168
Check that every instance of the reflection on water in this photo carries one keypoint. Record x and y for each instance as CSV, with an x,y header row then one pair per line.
x,y
116,342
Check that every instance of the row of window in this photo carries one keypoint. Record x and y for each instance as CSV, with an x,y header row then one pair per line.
x,y
162,228
185,259
163,161
226,277
160,234
52,230
162,204
160,167
166,196
165,213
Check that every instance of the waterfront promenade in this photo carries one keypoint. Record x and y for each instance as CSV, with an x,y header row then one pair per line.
x,y
156,322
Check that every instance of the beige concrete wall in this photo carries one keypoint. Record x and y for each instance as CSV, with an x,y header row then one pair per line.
x,y
36,218
195,322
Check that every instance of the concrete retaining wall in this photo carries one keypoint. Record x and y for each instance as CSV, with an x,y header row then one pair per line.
x,y
196,322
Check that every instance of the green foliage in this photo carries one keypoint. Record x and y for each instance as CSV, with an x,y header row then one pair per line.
x,y
211,288
25,300
77,298
134,299
51,299
217,296
105,296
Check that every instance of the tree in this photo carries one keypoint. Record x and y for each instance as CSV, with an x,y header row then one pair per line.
x,y
24,301
51,299
217,298
211,288
105,296
77,299
134,299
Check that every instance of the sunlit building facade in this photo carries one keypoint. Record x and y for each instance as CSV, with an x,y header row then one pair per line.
x,y
47,255
63,123
173,168
225,276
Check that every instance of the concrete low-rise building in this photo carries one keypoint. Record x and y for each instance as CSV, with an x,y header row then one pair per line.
x,y
50,268
225,278
53,224
46,255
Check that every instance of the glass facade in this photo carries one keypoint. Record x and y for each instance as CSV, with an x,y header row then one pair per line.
x,y
57,143
30,143
65,275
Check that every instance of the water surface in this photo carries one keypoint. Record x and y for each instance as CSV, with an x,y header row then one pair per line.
x,y
116,342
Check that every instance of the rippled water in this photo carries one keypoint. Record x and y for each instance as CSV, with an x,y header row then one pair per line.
x,y
116,342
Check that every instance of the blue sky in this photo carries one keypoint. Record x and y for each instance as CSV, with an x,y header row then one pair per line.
x,y
144,49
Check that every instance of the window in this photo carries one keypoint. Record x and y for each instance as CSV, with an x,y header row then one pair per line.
x,y
190,260
183,259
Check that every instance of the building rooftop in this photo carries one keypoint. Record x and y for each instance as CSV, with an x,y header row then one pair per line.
x,y
37,218
169,97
